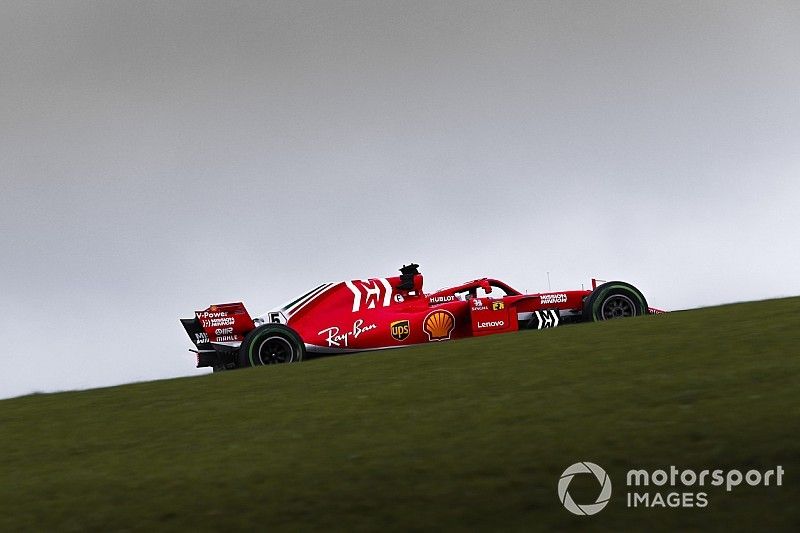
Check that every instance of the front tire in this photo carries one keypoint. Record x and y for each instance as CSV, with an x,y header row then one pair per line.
x,y
271,344
612,300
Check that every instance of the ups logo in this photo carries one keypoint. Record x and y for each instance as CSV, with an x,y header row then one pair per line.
x,y
400,330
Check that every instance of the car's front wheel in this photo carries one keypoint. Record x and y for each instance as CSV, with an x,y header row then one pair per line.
x,y
271,344
615,299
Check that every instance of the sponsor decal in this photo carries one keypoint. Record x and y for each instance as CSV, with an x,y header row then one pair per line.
x,y
336,339
493,324
216,322
220,335
212,314
477,304
399,298
370,293
441,299
439,325
400,330
559,298
497,306
548,318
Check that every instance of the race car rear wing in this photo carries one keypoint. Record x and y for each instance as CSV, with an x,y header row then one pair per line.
x,y
220,327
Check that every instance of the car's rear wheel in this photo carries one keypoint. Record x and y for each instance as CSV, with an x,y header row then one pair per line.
x,y
271,344
612,300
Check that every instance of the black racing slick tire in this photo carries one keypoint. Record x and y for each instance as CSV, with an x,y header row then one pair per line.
x,y
271,344
615,299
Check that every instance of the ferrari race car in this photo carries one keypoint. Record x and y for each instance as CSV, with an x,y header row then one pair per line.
x,y
379,313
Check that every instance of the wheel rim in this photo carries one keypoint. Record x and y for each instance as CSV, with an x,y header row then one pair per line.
x,y
275,350
617,306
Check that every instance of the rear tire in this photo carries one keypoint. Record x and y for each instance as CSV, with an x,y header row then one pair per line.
x,y
612,300
271,344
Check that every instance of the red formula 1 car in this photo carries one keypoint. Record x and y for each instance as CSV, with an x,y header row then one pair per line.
x,y
378,313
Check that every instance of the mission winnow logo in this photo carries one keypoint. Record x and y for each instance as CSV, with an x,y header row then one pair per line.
x,y
664,488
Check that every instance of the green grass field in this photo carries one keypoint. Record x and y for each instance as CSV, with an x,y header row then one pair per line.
x,y
468,435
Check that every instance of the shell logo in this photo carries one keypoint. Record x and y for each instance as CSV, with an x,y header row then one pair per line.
x,y
439,325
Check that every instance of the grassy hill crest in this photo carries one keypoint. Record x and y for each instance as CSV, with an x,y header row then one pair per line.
x,y
471,434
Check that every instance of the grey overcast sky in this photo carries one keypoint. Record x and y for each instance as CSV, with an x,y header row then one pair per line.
x,y
157,157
